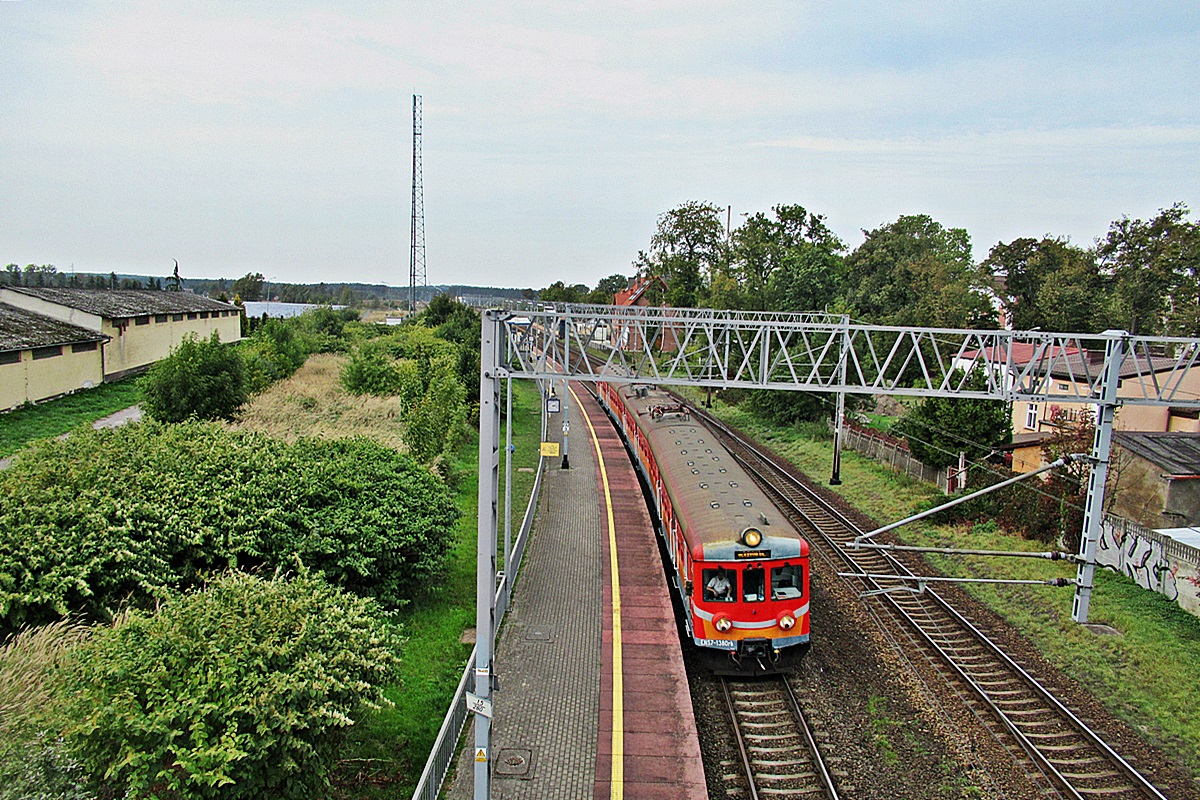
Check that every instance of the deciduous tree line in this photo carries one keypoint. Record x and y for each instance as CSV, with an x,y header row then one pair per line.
x,y
1142,275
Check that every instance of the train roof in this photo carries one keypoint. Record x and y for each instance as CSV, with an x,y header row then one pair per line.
x,y
714,498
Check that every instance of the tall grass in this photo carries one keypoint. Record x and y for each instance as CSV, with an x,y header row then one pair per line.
x,y
312,402
53,417
1148,675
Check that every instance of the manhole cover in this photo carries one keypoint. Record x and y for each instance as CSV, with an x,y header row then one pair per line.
x,y
537,635
515,762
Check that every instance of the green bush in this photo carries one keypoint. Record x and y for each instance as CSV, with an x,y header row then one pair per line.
x,y
201,379
238,691
371,369
434,423
135,513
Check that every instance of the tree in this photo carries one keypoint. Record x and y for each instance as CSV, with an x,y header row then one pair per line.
x,y
687,249
559,292
915,272
250,286
201,379
1154,269
938,428
607,288
1048,284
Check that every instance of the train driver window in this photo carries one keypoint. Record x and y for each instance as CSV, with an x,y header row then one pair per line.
x,y
720,585
754,584
787,582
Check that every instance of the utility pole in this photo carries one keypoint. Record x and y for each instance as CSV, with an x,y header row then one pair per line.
x,y
416,259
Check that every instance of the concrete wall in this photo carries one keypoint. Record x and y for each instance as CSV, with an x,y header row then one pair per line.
x,y
33,380
1155,562
135,346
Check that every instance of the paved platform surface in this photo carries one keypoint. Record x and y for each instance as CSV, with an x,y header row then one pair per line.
x,y
561,711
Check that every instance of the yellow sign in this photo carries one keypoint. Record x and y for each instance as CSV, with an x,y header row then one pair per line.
x,y
550,449
481,755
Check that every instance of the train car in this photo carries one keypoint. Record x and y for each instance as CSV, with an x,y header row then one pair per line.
x,y
739,569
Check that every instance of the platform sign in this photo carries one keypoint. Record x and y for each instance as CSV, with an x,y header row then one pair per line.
x,y
553,405
479,705
550,449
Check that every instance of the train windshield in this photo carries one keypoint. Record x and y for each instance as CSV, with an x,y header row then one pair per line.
x,y
720,585
754,584
787,582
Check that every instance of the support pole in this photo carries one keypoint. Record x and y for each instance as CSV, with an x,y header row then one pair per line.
x,y
566,426
508,454
839,422
490,382
1093,515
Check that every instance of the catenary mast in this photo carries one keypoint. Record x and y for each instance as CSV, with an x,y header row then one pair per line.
x,y
416,260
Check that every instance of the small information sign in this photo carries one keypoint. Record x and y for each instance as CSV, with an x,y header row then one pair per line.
x,y
550,449
479,705
553,405
481,755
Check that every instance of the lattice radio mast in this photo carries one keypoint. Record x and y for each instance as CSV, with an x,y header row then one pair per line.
x,y
416,261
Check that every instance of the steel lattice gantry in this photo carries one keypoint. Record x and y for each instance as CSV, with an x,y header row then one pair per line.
x,y
817,353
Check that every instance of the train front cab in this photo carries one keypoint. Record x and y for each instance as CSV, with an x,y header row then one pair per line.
x,y
762,620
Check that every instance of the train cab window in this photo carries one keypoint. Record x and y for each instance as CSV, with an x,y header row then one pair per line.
x,y
720,585
787,582
754,584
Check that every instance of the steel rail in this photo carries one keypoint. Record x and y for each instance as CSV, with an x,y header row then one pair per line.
x,y
1138,782
741,740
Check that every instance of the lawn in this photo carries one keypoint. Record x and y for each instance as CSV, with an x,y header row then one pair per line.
x,y
1149,675
53,417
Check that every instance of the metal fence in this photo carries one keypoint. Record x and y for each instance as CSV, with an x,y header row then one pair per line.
x,y
892,452
442,754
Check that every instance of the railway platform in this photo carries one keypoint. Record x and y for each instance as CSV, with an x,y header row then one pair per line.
x,y
593,701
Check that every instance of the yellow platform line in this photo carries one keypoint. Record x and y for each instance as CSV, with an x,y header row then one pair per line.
x,y
618,704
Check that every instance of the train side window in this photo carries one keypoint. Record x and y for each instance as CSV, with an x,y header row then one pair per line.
x,y
720,585
787,582
754,584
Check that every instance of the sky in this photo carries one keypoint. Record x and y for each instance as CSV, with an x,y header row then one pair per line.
x,y
277,137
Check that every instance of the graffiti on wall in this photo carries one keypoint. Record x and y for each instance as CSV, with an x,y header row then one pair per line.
x,y
1142,556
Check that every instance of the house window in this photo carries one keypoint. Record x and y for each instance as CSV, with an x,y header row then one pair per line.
x,y
177,318
160,317
203,315
83,347
141,320
1031,417
47,352
10,357
192,315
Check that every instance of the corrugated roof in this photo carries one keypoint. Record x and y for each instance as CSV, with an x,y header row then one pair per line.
x,y
23,330
1176,453
116,303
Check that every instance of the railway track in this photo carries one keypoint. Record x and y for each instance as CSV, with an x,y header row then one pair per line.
x,y
779,753
1059,752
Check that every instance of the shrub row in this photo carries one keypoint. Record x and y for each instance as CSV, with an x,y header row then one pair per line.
x,y
138,512
240,690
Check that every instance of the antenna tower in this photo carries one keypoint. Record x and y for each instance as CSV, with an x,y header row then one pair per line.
x,y
416,261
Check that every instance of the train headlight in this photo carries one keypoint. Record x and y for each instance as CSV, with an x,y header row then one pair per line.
x,y
752,537
722,623
786,620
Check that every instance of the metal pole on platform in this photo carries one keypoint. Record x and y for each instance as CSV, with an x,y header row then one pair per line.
x,y
490,383
1093,515
508,454
566,426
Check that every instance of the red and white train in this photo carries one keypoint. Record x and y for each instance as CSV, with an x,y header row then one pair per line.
x,y
740,570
